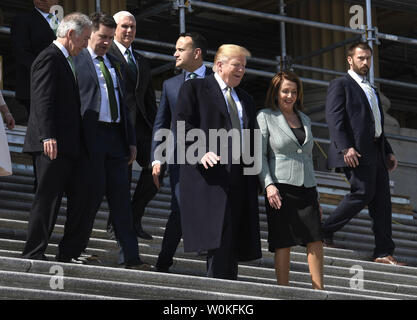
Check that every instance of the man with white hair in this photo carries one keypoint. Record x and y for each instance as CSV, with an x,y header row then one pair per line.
x,y
54,130
141,104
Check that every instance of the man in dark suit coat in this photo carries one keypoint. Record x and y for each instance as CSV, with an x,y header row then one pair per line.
x,y
31,33
54,131
218,202
190,51
141,103
110,146
359,146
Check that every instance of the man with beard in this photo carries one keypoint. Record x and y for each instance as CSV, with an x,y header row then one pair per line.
x,y
358,146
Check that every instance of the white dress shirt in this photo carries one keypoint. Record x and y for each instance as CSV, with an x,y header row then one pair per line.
x,y
223,87
105,115
361,81
63,50
124,50
47,18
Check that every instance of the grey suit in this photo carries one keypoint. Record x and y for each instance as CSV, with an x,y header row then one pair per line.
x,y
284,160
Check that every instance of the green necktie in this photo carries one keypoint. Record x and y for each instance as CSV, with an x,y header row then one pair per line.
x,y
234,115
192,75
69,58
53,22
131,62
110,89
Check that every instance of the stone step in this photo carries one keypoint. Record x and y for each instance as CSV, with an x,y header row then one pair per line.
x,y
17,229
101,279
339,268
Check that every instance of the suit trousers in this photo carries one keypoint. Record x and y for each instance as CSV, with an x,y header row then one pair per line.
x,y
223,262
173,231
369,187
145,191
104,172
54,178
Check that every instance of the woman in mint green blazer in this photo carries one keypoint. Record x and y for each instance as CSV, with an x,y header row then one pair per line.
x,y
287,177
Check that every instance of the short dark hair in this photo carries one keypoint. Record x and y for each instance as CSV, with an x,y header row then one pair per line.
x,y
360,44
198,42
106,20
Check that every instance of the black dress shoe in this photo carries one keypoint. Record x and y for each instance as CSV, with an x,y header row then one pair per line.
x,y
143,266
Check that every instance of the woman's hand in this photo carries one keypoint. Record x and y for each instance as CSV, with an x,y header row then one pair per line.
x,y
274,198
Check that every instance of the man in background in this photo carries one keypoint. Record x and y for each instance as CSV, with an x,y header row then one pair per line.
x,y
31,33
190,50
141,104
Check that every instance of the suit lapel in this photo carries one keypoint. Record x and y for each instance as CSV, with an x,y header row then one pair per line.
x,y
216,94
365,98
245,111
43,21
65,64
305,121
284,127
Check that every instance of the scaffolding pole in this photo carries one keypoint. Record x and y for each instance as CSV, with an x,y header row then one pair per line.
x,y
308,23
370,37
274,63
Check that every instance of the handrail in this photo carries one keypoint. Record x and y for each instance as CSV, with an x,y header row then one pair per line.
x,y
388,135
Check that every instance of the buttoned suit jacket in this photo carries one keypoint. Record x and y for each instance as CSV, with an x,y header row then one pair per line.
x,y
284,160
351,123
91,99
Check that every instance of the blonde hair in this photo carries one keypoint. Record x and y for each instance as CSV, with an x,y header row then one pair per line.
x,y
228,51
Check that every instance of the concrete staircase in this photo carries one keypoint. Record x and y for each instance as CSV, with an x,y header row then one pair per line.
x,y
349,273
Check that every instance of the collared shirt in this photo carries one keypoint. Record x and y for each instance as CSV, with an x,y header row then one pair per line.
x,y
200,72
63,49
223,87
46,16
105,115
361,81
124,50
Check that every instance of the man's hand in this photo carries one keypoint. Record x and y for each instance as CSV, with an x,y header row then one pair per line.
x,y
210,159
274,198
50,148
156,172
351,157
133,152
10,123
392,162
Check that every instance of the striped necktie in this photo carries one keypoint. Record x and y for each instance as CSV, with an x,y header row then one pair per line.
x,y
374,107
234,114
110,89
53,22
